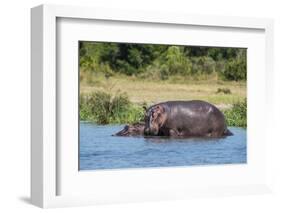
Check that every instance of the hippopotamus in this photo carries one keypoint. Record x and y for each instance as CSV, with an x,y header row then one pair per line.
x,y
136,129
185,119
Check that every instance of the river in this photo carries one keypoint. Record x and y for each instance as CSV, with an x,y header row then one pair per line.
x,y
100,150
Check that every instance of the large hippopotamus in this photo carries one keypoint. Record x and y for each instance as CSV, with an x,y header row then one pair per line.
x,y
185,119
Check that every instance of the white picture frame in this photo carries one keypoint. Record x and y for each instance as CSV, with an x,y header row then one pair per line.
x,y
47,165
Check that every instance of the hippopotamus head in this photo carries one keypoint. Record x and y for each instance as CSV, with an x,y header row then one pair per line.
x,y
135,129
154,119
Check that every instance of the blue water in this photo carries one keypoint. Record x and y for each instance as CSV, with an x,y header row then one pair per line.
x,y
100,150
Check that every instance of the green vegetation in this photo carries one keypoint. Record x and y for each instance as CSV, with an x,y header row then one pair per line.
x,y
117,79
104,108
235,69
237,115
162,61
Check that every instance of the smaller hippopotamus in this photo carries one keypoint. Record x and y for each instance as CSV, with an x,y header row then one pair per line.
x,y
136,129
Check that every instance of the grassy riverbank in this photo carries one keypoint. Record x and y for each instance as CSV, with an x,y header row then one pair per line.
x,y
120,99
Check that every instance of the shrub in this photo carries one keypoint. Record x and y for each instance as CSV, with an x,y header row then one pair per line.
x,y
105,108
176,61
237,115
164,72
155,72
236,69
203,65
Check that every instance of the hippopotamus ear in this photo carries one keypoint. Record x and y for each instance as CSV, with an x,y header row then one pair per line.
x,y
144,108
159,109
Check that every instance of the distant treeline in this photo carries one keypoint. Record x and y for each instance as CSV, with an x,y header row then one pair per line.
x,y
145,60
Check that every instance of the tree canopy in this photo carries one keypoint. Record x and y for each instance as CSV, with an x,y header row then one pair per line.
x,y
166,60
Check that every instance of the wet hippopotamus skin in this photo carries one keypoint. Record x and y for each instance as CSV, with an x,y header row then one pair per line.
x,y
136,129
185,119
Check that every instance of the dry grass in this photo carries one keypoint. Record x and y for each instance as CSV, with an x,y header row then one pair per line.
x,y
149,91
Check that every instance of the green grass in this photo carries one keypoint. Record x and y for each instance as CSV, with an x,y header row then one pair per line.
x,y
237,115
105,108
